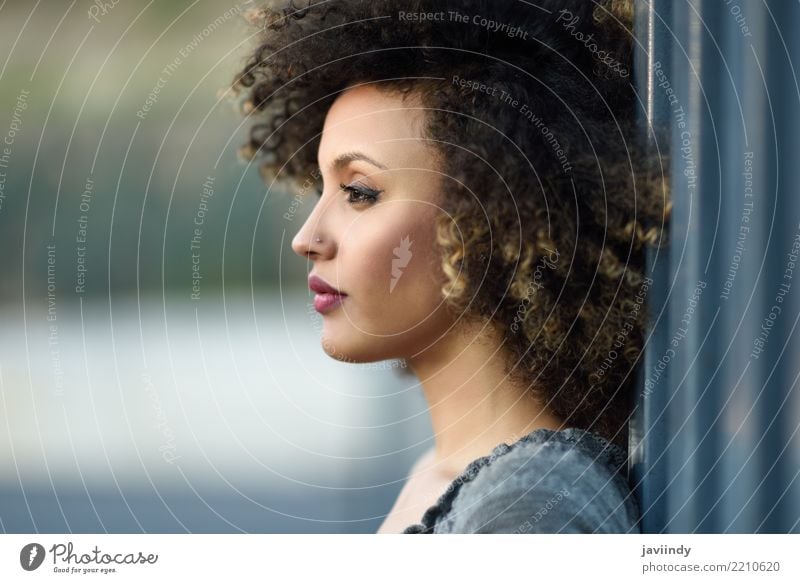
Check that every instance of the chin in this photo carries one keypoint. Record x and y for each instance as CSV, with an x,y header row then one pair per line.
x,y
348,351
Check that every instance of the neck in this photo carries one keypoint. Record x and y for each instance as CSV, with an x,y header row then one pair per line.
x,y
474,405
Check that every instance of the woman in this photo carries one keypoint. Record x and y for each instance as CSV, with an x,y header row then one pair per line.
x,y
484,205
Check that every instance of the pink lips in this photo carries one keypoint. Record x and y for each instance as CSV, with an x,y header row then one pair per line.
x,y
327,297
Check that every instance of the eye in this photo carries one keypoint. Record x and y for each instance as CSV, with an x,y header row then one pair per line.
x,y
360,194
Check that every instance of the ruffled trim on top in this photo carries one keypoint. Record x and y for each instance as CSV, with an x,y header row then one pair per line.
x,y
598,447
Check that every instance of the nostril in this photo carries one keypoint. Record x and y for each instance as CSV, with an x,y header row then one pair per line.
x,y
300,244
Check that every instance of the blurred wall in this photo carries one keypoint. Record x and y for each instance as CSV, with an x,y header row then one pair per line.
x,y
160,369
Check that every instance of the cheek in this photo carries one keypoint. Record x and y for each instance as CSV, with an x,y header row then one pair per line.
x,y
394,263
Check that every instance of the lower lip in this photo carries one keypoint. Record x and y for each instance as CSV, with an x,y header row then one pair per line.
x,y
326,302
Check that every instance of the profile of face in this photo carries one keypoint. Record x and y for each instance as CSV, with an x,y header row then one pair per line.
x,y
372,236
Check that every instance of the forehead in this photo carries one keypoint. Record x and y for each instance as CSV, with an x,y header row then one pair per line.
x,y
378,122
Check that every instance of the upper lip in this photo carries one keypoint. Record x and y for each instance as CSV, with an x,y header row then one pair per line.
x,y
320,286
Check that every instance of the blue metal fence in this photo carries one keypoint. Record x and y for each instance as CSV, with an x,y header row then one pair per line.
x,y
715,440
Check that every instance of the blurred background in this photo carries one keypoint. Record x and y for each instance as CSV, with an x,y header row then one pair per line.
x,y
160,367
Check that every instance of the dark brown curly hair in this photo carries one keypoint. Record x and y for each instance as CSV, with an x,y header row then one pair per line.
x,y
553,193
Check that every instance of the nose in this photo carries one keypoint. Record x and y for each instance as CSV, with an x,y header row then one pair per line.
x,y
314,240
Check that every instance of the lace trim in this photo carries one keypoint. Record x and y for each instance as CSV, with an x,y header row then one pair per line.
x,y
598,447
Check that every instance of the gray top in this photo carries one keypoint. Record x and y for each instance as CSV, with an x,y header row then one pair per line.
x,y
570,481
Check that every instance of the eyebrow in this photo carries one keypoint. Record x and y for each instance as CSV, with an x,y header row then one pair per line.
x,y
348,157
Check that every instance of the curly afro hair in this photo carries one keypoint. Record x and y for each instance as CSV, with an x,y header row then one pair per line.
x,y
553,194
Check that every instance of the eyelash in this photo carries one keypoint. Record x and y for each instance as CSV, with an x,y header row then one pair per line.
x,y
361,194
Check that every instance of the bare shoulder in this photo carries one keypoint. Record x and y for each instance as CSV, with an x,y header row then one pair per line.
x,y
424,461
422,488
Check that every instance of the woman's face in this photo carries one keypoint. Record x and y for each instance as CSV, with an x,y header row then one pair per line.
x,y
377,238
